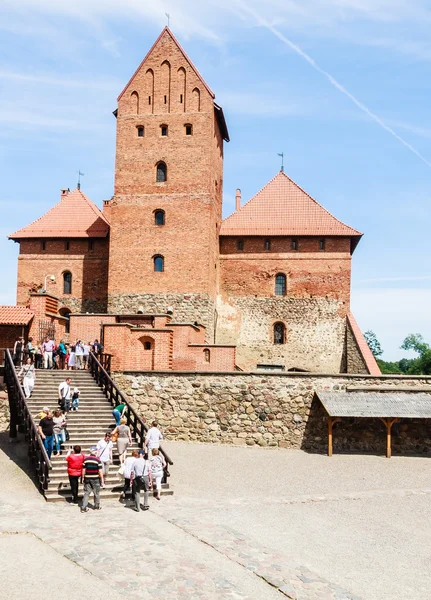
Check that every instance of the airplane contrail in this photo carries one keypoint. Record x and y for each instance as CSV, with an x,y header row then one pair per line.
x,y
261,21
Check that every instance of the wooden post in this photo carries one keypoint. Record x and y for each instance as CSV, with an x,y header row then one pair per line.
x,y
331,422
388,424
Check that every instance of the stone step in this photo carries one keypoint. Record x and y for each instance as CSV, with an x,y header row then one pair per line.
x,y
105,494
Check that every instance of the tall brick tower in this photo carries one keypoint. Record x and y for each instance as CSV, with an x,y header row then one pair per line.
x,y
166,212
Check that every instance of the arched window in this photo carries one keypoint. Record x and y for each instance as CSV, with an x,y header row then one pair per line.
x,y
135,102
141,131
65,312
279,333
280,284
159,264
161,172
67,282
159,217
164,129
207,355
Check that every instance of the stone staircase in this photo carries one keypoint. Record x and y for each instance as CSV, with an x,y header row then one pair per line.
x,y
85,426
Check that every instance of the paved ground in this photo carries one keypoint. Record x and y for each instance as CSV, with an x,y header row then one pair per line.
x,y
243,523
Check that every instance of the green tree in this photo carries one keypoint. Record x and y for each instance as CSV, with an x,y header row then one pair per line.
x,y
422,364
415,342
373,343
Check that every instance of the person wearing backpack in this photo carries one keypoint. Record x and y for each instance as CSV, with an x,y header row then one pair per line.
x,y
141,474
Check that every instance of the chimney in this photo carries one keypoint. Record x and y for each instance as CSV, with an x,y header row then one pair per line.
x,y
238,199
64,193
107,209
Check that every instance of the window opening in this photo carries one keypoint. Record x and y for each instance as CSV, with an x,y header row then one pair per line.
x,y
140,132
67,282
165,99
159,217
43,245
189,130
161,172
207,355
294,244
279,333
267,244
280,284
240,245
159,264
164,130
322,244
147,345
67,245
91,245
149,99
181,98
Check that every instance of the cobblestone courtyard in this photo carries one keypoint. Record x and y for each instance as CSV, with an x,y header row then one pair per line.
x,y
243,523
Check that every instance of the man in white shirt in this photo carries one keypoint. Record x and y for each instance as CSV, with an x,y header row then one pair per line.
x,y
64,395
141,473
86,354
104,453
153,437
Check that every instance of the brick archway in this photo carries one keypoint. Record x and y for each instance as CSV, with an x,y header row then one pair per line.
x,y
147,352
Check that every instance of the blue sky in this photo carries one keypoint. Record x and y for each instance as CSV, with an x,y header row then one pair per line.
x,y
354,125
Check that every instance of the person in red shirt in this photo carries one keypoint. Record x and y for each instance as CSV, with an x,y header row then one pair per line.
x,y
75,460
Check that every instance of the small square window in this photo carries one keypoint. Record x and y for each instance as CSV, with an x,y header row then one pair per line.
x,y
240,245
140,132
322,244
267,244
294,244
147,345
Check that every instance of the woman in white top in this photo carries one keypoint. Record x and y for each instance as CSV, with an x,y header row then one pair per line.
x,y
158,463
127,474
71,361
29,377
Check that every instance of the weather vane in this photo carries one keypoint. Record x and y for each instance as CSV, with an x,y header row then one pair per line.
x,y
169,17
79,179
282,163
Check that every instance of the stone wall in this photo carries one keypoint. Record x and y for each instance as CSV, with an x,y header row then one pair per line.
x,y
267,410
4,410
354,362
315,331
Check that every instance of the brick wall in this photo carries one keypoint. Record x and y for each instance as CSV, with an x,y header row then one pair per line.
x,y
9,334
88,327
127,347
89,270
267,410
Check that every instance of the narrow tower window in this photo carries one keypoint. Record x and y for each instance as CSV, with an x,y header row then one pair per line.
x,y
189,129
165,99
267,244
91,245
294,244
164,130
322,244
161,172
159,264
43,245
181,98
159,217
279,333
207,355
149,99
67,282
280,284
67,245
140,131
240,245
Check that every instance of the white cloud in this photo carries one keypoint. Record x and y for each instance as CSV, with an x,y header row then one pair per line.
x,y
58,80
392,314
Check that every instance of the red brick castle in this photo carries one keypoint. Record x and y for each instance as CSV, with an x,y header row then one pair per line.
x,y
160,275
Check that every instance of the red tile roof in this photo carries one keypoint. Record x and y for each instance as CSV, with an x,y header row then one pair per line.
x,y
15,315
367,355
284,208
75,216
167,31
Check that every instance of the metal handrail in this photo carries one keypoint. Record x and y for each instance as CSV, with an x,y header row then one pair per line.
x,y
113,393
20,415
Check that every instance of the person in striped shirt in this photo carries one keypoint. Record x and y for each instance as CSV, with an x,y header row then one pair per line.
x,y
93,479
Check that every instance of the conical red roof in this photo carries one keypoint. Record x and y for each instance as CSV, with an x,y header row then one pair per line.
x,y
75,216
284,208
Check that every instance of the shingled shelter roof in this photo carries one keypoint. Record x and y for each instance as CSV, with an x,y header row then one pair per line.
x,y
374,404
75,216
15,315
282,207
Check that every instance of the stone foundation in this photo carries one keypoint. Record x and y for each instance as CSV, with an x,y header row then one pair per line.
x,y
4,410
267,410
188,308
81,305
